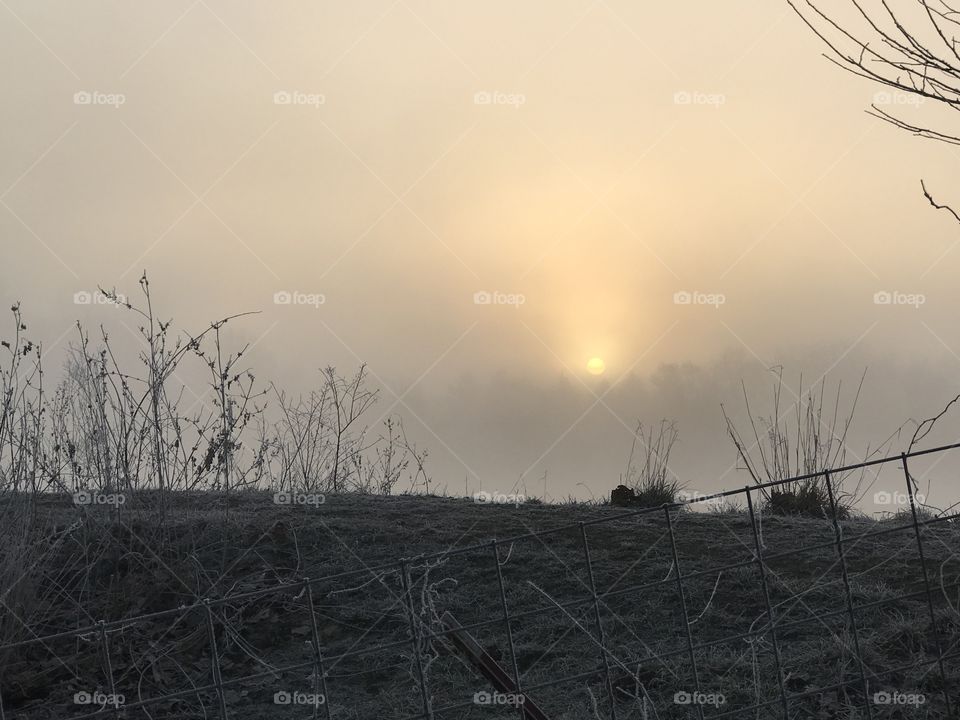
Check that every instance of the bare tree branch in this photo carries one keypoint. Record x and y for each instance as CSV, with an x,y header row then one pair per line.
x,y
937,205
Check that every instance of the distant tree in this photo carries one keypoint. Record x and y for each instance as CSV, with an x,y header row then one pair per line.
x,y
912,49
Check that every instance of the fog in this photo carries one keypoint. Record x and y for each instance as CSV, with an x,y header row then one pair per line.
x,y
695,206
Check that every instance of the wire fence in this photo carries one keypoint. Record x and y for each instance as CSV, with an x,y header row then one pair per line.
x,y
419,633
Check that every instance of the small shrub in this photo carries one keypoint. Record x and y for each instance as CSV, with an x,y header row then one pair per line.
x,y
622,496
656,495
812,441
807,498
651,483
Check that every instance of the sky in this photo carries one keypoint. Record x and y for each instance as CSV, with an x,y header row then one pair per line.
x,y
476,199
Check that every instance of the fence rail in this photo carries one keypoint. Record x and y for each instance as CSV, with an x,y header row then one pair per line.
x,y
419,632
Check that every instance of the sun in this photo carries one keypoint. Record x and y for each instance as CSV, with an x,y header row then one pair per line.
x,y
596,366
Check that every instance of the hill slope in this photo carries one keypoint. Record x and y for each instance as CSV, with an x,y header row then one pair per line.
x,y
87,565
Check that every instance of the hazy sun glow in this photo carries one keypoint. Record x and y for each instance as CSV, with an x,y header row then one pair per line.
x,y
596,366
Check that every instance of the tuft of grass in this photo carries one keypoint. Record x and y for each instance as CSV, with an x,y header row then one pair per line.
x,y
648,481
655,495
806,498
810,443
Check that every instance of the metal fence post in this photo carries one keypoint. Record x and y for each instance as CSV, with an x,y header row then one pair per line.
x,y
683,608
506,622
415,639
108,666
766,597
215,660
599,622
319,674
926,581
838,534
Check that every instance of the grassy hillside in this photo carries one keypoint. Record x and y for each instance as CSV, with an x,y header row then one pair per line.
x,y
81,565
